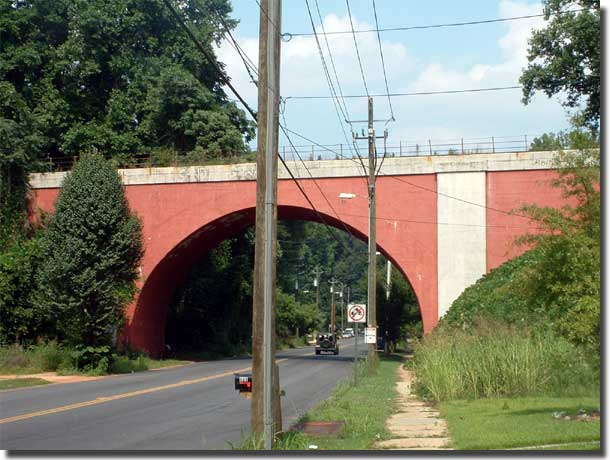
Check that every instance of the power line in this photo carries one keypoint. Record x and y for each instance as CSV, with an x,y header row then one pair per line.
x,y
324,66
266,15
248,64
327,149
421,93
284,130
510,213
336,101
434,26
207,55
433,222
349,12
385,77
330,55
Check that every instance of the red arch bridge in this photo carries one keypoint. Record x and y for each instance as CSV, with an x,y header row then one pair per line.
x,y
443,221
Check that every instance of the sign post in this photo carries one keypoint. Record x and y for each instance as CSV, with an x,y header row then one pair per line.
x,y
356,313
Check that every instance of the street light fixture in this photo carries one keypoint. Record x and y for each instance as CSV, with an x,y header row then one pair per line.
x,y
347,196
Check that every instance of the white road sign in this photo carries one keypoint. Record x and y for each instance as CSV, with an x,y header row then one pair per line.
x,y
370,335
356,313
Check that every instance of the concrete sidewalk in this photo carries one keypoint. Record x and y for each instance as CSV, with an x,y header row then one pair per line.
x,y
416,425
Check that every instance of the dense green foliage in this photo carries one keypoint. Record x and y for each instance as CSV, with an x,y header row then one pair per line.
x,y
399,313
494,360
21,321
294,318
90,254
572,139
565,57
493,297
212,311
118,75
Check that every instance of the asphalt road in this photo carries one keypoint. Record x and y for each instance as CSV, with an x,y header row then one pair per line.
x,y
189,407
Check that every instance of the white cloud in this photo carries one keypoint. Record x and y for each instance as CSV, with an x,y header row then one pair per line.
x,y
513,46
302,72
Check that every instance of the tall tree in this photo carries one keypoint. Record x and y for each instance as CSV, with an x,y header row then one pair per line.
x,y
91,252
565,57
118,75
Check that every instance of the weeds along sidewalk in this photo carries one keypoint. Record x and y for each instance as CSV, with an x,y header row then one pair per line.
x,y
416,425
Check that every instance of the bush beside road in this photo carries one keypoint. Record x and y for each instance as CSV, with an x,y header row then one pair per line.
x,y
52,357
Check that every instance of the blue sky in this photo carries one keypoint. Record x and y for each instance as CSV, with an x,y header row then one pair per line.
x,y
418,60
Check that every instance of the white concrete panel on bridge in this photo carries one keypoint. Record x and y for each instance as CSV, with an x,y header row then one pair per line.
x,y
461,234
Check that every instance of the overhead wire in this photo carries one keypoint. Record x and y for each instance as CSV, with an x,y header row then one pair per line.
x,y
333,92
248,63
419,93
209,58
434,26
349,12
385,76
330,56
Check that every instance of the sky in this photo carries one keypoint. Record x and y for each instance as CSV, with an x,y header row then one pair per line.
x,y
466,57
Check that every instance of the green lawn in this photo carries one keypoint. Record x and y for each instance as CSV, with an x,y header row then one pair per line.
x,y
363,408
487,424
11,384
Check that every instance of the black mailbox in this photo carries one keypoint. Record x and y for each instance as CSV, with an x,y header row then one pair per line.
x,y
243,382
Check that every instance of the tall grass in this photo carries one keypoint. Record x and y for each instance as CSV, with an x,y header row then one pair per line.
x,y
495,360
44,357
52,356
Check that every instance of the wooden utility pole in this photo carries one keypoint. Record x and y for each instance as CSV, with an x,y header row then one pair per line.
x,y
372,279
266,410
372,270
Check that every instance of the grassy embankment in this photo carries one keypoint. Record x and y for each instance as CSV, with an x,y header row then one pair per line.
x,y
363,407
498,387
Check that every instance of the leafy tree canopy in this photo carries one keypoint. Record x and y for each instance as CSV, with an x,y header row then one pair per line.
x,y
117,75
20,321
565,57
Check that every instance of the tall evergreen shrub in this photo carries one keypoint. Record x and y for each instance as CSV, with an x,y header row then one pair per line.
x,y
91,253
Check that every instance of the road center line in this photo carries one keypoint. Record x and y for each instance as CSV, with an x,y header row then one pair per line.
x,y
105,399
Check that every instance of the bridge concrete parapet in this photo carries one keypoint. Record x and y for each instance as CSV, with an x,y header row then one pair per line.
x,y
392,166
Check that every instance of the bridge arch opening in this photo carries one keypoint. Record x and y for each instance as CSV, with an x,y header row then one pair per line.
x,y
146,328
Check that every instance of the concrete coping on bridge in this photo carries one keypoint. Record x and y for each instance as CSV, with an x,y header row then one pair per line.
x,y
392,166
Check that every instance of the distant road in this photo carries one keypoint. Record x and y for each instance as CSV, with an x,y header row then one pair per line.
x,y
189,407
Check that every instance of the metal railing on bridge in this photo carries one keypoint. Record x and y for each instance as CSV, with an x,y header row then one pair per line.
x,y
313,152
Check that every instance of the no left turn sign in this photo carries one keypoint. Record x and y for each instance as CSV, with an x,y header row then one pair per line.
x,y
356,313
